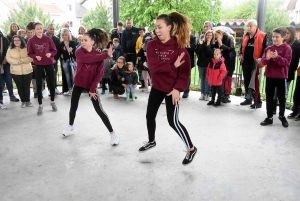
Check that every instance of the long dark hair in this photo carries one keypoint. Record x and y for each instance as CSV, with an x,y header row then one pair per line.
x,y
12,44
292,31
99,36
181,26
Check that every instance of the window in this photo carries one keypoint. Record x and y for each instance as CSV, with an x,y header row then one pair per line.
x,y
70,23
70,7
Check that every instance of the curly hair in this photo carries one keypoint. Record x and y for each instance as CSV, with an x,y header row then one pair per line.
x,y
99,36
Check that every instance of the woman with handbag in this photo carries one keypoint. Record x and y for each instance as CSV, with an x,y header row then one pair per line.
x,y
20,68
66,50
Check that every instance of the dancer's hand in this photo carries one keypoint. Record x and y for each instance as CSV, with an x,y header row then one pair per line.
x,y
93,95
178,61
110,51
175,96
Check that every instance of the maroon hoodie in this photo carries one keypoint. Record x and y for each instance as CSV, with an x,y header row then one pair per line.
x,y
89,68
40,47
216,71
161,58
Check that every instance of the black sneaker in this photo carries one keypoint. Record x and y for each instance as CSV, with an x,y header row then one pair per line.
x,y
210,102
283,121
147,146
297,117
257,106
218,103
267,121
185,95
292,115
189,156
246,102
228,98
35,95
14,99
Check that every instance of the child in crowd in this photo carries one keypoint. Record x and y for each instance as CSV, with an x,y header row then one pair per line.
x,y
216,71
277,58
22,33
130,80
118,51
108,63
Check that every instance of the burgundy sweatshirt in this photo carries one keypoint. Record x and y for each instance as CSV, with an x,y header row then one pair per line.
x,y
89,68
278,67
161,58
40,47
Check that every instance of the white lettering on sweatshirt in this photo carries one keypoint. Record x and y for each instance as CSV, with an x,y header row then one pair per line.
x,y
163,56
40,47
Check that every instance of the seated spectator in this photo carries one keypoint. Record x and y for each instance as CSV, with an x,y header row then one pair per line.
x,y
21,69
116,77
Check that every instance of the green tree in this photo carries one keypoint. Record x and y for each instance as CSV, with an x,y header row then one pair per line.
x,y
26,12
144,12
98,18
276,14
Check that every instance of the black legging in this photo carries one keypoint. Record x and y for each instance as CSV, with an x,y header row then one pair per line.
x,y
155,99
96,103
39,74
216,90
23,85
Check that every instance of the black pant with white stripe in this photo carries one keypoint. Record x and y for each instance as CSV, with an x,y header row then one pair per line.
x,y
155,99
97,105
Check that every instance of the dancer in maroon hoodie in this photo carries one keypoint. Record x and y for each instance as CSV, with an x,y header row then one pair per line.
x,y
170,67
277,58
42,50
88,74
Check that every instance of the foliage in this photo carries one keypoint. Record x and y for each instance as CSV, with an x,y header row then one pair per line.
x,y
98,18
26,12
276,14
144,12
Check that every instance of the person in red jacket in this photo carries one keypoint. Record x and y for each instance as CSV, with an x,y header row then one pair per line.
x,y
88,74
42,50
216,71
170,67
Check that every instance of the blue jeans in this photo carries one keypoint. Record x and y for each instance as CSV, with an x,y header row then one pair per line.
x,y
69,72
6,78
55,73
205,88
130,89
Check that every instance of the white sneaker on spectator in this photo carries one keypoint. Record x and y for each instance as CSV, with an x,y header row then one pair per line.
x,y
114,139
202,97
68,130
3,106
57,91
206,97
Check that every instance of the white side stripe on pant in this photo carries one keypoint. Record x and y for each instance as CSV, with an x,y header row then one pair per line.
x,y
100,105
179,129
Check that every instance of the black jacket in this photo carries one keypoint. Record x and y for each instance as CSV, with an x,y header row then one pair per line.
x,y
295,60
204,53
128,40
56,43
5,46
62,51
227,47
191,50
130,78
115,34
116,76
118,51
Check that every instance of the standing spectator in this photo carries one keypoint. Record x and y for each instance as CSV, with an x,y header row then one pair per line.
x,y
13,29
207,26
253,46
6,76
296,98
170,68
21,69
29,31
66,26
225,43
277,57
128,41
22,33
81,30
79,39
117,32
191,50
138,47
42,50
118,51
205,53
108,64
55,39
66,51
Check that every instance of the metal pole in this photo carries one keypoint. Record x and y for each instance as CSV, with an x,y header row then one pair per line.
x,y
261,20
212,14
116,15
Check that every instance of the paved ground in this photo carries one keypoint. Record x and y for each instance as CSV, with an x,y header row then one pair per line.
x,y
237,158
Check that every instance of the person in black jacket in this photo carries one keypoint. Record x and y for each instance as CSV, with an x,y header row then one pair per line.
x,y
226,44
117,32
130,80
205,52
191,49
117,73
13,29
66,51
128,40
50,33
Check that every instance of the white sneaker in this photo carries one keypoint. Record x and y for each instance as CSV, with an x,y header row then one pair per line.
x,y
2,106
69,93
202,97
114,139
206,97
68,130
57,92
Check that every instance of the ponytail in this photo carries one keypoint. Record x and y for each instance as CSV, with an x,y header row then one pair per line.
x,y
180,27
99,36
